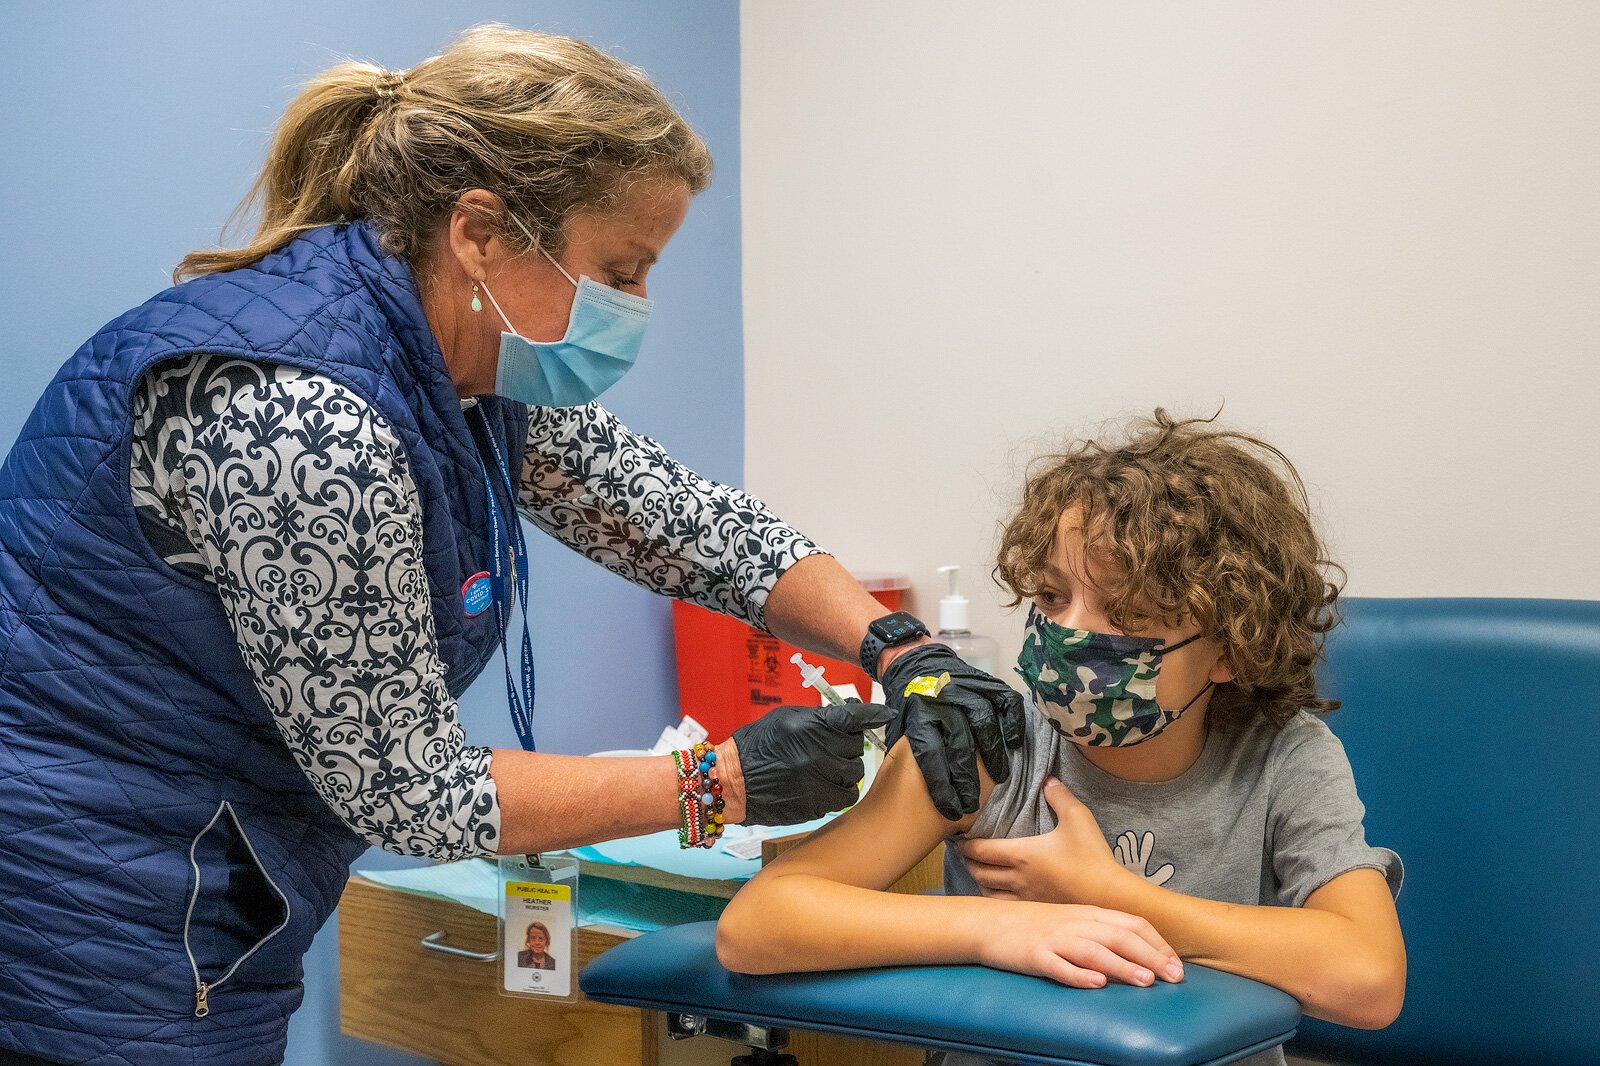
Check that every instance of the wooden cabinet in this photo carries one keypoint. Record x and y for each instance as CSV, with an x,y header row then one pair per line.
x,y
394,991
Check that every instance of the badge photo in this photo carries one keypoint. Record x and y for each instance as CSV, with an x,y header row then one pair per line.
x,y
538,927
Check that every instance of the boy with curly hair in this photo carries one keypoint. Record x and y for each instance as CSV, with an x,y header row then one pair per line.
x,y
1174,769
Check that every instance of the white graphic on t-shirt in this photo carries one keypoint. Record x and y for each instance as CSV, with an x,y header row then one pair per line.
x,y
1135,853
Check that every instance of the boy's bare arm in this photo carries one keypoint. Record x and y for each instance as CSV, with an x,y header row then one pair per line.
x,y
1341,955
809,909
822,906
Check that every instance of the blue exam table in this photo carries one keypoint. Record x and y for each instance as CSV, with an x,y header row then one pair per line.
x,y
1211,1018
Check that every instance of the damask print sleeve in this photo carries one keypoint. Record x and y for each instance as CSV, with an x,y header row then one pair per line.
x,y
292,496
621,500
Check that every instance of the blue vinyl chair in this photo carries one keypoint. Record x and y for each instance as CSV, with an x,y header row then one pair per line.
x,y
1473,726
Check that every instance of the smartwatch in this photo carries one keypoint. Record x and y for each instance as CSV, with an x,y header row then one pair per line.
x,y
890,631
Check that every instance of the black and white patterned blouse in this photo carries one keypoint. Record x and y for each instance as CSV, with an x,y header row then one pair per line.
x,y
223,446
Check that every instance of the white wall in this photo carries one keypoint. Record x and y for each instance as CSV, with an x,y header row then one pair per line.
x,y
1372,229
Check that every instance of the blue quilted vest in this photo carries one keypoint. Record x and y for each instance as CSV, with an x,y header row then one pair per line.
x,y
155,832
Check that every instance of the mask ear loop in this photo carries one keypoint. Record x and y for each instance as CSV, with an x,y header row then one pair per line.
x,y
509,327
1173,716
540,247
1185,642
496,305
558,266
1208,685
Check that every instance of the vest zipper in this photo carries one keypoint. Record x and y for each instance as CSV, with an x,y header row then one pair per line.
x,y
203,989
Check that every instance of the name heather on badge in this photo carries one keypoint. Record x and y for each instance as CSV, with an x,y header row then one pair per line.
x,y
538,926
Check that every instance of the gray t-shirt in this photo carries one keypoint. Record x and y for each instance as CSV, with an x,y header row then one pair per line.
x,y
1263,817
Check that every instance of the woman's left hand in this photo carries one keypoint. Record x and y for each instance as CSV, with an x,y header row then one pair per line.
x,y
974,717
1070,864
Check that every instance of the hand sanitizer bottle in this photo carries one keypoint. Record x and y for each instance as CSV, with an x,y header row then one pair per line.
x,y
978,651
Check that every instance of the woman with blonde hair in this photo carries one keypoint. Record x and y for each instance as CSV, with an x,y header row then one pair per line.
x,y
260,532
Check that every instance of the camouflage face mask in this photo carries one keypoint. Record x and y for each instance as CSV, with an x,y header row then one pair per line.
x,y
1096,689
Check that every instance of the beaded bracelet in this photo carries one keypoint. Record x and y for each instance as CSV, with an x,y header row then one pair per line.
x,y
700,803
688,801
711,803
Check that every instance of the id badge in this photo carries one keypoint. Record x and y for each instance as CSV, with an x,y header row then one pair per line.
x,y
538,926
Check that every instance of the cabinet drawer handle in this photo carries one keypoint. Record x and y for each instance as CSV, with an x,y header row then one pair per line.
x,y
435,942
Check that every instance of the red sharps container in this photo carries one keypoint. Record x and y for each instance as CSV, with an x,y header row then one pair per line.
x,y
730,673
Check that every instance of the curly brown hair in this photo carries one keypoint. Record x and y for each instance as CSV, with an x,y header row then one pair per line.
x,y
1192,524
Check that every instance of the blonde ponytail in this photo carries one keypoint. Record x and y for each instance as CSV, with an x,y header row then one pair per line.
x,y
549,123
312,167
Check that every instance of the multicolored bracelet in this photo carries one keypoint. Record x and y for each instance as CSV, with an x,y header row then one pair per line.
x,y
700,803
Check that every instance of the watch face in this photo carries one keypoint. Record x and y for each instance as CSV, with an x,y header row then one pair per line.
x,y
887,632
896,627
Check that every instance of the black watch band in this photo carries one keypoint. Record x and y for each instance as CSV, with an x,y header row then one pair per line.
x,y
890,631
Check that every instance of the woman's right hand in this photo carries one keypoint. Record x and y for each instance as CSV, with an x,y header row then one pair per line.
x,y
799,763
1076,945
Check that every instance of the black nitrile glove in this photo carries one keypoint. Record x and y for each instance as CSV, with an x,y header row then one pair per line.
x,y
974,709
799,763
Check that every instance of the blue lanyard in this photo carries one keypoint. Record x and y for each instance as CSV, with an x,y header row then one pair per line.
x,y
505,540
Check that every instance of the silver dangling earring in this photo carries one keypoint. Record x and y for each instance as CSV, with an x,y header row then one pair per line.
x,y
477,304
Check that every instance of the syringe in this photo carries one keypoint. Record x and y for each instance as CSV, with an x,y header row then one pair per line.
x,y
814,679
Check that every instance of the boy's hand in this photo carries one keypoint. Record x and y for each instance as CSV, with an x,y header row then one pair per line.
x,y
1077,946
1069,864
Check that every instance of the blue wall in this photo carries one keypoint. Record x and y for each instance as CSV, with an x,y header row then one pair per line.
x,y
130,131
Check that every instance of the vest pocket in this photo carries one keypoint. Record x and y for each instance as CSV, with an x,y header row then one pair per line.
x,y
234,905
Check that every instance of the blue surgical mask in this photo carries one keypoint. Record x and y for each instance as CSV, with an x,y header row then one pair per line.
x,y
604,333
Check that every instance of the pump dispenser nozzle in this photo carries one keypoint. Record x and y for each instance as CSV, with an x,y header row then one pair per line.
x,y
955,627
953,608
